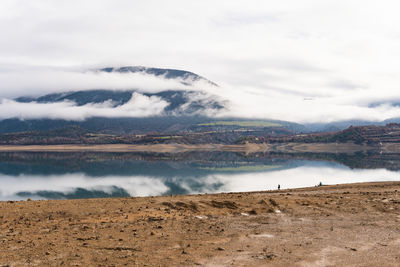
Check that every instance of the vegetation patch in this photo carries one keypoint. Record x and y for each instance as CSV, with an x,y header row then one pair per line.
x,y
242,123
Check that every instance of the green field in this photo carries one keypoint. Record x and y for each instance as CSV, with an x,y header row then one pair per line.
x,y
242,123
167,137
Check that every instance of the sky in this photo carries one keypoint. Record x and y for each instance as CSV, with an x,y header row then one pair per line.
x,y
300,61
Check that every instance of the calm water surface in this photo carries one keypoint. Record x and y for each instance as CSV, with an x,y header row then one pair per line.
x,y
88,175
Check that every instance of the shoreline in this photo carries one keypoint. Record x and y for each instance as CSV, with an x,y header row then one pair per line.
x,y
177,148
346,224
166,148
270,191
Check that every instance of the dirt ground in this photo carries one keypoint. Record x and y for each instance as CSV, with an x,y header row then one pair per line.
x,y
342,225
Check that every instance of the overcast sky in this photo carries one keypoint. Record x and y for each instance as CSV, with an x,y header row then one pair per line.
x,y
308,60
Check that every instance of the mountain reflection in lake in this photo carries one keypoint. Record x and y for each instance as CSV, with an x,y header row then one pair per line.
x,y
88,175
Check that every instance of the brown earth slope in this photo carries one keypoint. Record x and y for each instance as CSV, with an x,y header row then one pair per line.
x,y
343,225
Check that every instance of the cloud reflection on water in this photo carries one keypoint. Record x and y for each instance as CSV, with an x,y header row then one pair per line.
x,y
66,185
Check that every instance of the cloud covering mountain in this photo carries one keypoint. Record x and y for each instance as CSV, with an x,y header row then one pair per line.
x,y
307,61
138,106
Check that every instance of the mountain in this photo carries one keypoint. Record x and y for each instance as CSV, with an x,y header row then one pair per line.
x,y
368,134
186,77
179,102
165,129
193,110
186,112
193,132
341,125
183,111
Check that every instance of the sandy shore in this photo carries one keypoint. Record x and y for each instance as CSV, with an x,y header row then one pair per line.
x,y
179,148
161,148
343,225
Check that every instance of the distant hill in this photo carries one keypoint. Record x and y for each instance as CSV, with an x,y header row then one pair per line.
x,y
167,129
187,111
184,114
369,134
186,77
227,132
180,102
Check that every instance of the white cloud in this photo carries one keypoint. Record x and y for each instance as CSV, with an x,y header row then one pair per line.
x,y
268,55
28,81
251,103
138,106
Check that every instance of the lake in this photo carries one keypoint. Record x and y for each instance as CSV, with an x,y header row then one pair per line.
x,y
40,175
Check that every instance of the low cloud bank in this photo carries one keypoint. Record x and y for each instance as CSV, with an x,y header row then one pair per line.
x,y
274,99
24,81
138,106
353,105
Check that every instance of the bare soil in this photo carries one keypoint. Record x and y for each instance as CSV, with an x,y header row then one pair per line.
x,y
340,225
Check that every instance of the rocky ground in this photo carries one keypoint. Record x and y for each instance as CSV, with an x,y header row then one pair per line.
x,y
342,225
